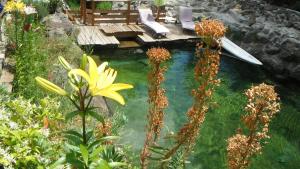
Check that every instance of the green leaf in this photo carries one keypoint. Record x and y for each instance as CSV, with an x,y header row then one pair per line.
x,y
89,135
72,148
96,115
158,151
71,115
109,138
58,163
161,148
73,136
96,152
74,133
94,144
85,154
72,159
73,139
102,164
116,164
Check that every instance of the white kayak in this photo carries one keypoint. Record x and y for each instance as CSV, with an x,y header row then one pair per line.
x,y
238,52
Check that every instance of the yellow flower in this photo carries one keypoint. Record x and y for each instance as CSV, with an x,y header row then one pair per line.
x,y
50,86
9,6
13,5
101,81
64,63
20,6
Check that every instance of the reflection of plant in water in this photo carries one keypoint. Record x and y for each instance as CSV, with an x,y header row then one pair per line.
x,y
262,106
157,99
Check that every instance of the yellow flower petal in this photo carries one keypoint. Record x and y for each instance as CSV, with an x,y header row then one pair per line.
x,y
102,67
79,72
50,86
93,72
110,78
119,86
111,94
64,63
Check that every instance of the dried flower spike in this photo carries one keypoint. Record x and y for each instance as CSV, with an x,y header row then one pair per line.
x,y
262,106
157,100
210,28
158,55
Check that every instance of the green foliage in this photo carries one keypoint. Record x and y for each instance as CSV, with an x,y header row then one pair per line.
x,y
24,142
30,61
53,4
104,5
74,4
159,2
41,6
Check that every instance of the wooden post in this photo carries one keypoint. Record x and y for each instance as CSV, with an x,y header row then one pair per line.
x,y
128,12
81,9
84,11
93,12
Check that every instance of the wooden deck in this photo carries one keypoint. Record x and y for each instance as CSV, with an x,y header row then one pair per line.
x,y
108,34
120,30
176,34
91,35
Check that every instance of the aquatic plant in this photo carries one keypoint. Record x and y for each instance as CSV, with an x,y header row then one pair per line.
x,y
262,106
87,82
157,99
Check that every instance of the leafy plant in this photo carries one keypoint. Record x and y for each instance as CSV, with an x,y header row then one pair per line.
x,y
25,141
84,149
16,8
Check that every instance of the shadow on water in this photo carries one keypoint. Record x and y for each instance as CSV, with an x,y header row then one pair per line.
x,y
222,119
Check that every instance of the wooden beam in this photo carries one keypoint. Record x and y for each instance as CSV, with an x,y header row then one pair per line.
x,y
128,12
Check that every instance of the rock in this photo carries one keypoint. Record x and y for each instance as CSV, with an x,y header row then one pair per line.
x,y
58,24
270,33
271,49
295,72
138,51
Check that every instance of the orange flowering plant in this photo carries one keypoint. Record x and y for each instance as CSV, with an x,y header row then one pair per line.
x,y
157,100
262,106
205,74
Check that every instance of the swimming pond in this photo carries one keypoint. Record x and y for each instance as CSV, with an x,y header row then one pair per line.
x,y
221,120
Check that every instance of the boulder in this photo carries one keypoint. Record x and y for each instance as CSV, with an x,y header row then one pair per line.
x,y
269,32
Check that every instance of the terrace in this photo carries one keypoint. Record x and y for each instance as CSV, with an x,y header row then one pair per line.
x,y
115,26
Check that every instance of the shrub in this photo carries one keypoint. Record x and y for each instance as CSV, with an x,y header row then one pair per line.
x,y
104,6
25,141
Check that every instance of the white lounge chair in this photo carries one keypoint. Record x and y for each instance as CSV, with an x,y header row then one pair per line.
x,y
186,18
147,19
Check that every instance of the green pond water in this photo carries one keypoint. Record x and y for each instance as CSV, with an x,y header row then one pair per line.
x,y
222,120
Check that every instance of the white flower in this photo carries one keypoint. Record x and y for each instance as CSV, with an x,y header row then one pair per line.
x,y
13,125
7,157
45,132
